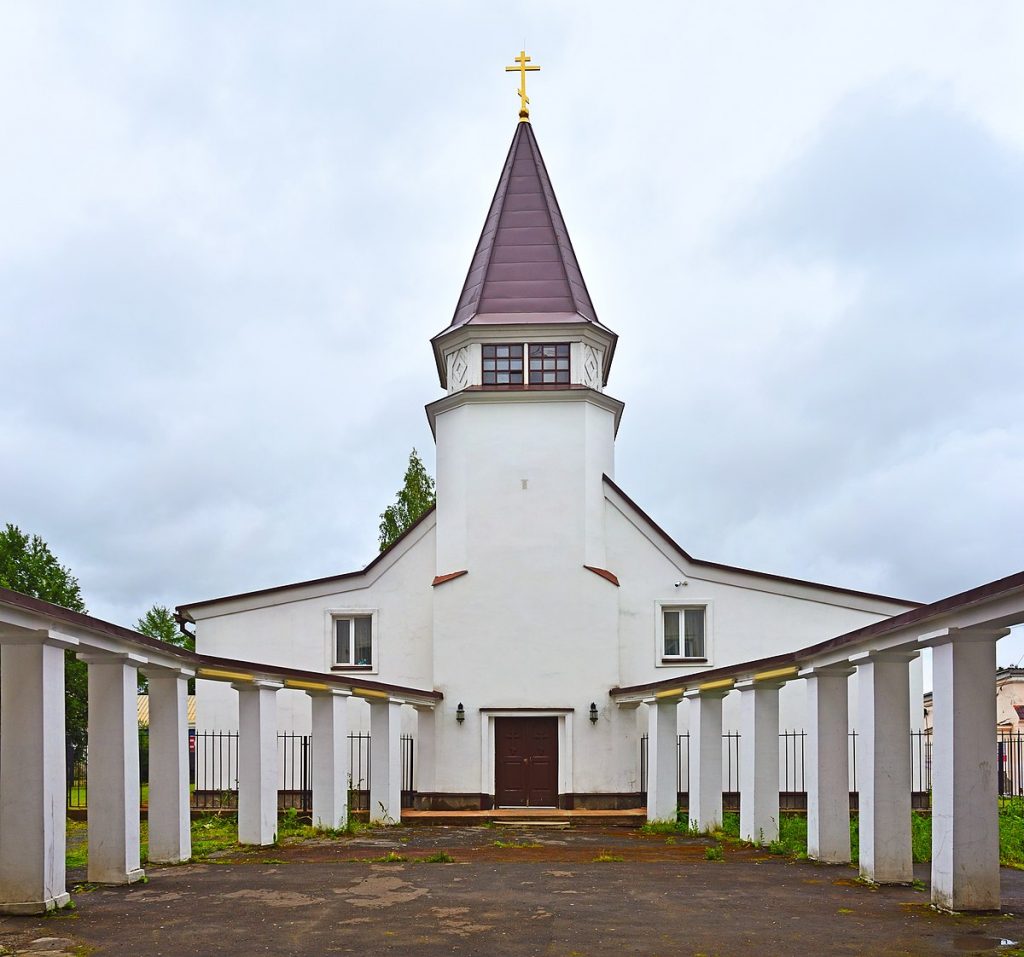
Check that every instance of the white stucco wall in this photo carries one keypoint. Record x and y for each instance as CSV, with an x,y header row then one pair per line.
x,y
293,627
522,508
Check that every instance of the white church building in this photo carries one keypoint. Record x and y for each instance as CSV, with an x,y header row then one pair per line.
x,y
536,585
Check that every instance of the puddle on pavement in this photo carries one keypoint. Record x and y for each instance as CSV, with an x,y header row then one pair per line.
x,y
975,943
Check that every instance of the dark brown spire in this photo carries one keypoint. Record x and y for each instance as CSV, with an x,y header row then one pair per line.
x,y
524,268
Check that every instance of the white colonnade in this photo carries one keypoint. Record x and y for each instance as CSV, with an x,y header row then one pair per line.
x,y
965,827
34,637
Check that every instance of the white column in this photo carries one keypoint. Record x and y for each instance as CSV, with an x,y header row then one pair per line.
x,y
257,761
759,760
385,760
965,820
425,768
662,783
827,767
883,773
113,767
330,757
170,830
32,787
706,758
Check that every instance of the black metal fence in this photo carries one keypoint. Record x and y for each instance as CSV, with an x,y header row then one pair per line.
x,y
1010,769
792,762
213,765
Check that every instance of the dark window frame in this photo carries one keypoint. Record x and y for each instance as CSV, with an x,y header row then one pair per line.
x,y
352,638
680,634
502,363
549,363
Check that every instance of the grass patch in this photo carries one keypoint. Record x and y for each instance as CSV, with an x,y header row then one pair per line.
x,y
515,844
606,857
714,853
390,858
441,857
212,833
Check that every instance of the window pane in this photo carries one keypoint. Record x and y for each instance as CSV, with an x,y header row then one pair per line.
x,y
694,632
561,363
364,644
536,351
671,619
503,351
342,652
563,348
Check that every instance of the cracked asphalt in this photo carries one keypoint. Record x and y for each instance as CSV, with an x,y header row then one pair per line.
x,y
579,892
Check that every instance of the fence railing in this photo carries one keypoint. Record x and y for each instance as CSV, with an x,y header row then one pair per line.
x,y
792,761
214,771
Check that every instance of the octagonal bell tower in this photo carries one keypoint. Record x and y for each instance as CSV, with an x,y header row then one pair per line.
x,y
524,437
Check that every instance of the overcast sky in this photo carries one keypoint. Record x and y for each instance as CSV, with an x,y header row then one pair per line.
x,y
228,231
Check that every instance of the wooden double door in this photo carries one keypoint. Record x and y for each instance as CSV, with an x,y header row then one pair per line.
x,y
526,762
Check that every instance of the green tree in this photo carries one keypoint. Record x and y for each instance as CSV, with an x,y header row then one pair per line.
x,y
159,622
414,498
28,566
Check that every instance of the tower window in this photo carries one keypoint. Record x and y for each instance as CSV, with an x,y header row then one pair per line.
x,y
503,364
549,363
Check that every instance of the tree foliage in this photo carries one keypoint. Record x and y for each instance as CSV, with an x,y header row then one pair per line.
x,y
159,622
28,566
414,498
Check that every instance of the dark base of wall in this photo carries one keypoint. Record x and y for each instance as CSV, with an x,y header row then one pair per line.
x,y
448,801
796,801
452,801
608,802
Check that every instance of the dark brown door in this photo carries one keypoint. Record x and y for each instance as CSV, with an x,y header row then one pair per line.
x,y
526,762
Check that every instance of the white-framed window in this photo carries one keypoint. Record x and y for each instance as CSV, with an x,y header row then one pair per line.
x,y
352,639
683,633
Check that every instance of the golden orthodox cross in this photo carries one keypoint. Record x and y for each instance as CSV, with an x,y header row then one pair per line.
x,y
522,69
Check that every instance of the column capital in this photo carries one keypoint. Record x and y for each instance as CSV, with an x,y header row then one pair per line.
x,y
422,706
765,684
839,669
710,694
885,654
40,636
662,699
154,671
971,633
97,656
257,684
328,692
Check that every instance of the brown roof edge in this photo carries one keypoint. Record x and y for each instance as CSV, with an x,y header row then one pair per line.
x,y
58,612
921,613
184,609
749,571
318,676
451,576
604,573
191,658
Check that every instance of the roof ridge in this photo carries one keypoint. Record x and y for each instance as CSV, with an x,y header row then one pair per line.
x,y
704,563
539,163
524,267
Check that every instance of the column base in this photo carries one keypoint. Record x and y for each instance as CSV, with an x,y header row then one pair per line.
x,y
37,907
131,877
900,882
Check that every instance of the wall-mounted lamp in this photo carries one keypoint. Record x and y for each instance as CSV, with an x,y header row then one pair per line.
x,y
593,712
460,713
677,584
